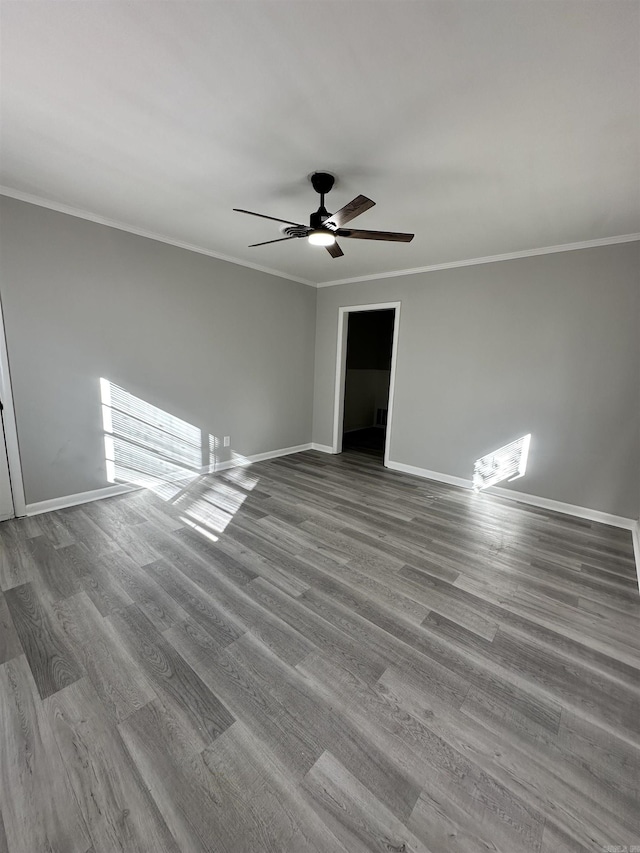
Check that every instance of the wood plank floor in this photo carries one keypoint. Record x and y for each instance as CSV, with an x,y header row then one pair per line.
x,y
317,654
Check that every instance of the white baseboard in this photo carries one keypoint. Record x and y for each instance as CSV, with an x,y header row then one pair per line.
x,y
429,475
232,463
521,497
80,498
122,488
322,448
566,509
260,457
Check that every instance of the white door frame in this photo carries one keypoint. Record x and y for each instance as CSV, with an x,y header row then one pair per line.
x,y
341,367
10,427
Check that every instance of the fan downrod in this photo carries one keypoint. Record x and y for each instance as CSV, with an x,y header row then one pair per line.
x,y
322,183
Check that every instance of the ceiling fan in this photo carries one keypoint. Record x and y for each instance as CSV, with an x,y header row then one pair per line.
x,y
324,227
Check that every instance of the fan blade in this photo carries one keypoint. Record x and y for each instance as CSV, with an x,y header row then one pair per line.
x,y
273,218
375,235
335,251
359,204
266,242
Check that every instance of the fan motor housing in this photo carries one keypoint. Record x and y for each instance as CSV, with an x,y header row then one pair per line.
x,y
317,219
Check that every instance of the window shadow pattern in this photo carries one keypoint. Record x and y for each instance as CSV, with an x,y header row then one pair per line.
x,y
149,447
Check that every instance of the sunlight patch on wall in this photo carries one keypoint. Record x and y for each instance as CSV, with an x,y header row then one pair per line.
x,y
149,447
505,463
214,444
145,445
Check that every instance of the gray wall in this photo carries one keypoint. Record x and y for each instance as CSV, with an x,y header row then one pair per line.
x,y
223,347
548,345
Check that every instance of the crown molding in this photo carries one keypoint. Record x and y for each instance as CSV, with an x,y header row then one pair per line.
x,y
489,259
79,213
140,232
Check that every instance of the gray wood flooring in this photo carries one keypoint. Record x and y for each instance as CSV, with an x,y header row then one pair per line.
x,y
317,654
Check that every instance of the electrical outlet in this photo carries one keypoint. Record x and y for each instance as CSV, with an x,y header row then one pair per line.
x,y
227,440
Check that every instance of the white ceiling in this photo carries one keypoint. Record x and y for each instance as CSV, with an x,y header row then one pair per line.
x,y
485,127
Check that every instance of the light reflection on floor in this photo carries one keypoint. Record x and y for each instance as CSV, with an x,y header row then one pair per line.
x,y
148,447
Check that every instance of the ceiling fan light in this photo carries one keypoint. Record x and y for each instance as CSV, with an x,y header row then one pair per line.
x,y
321,237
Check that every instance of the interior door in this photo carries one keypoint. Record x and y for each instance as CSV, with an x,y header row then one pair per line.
x,y
6,497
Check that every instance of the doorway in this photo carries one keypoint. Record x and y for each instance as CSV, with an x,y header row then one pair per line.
x,y
365,373
366,381
12,501
6,495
